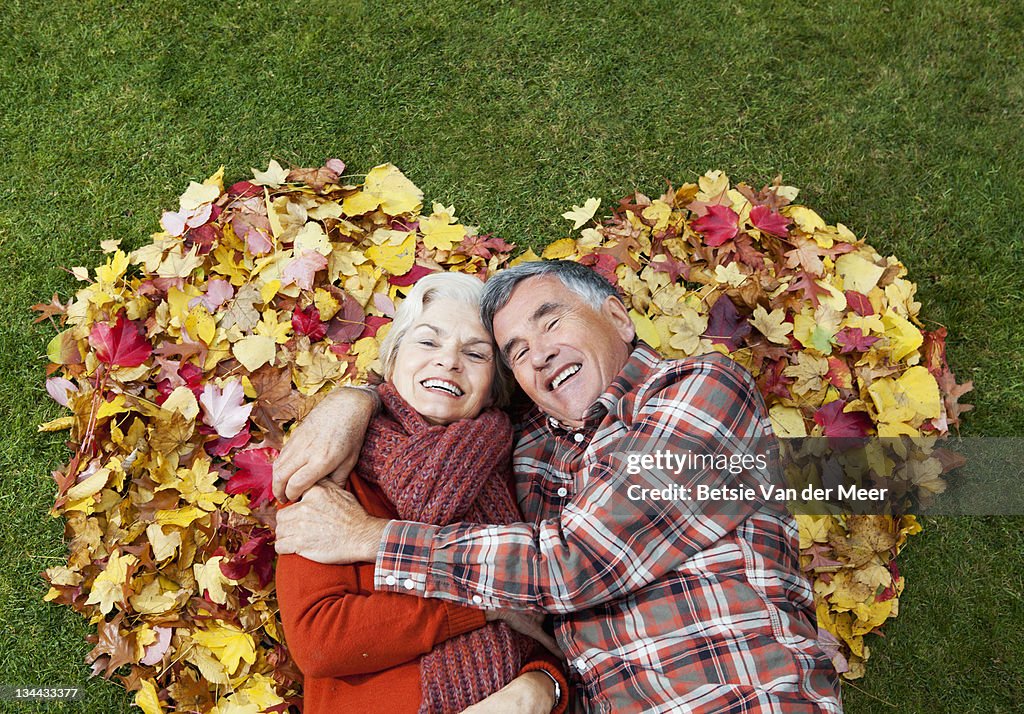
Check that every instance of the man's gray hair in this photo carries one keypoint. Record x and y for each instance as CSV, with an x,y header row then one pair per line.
x,y
455,286
588,284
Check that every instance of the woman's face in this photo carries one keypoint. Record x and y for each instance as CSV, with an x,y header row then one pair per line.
x,y
444,366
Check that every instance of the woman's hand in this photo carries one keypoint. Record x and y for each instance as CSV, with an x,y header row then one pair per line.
x,y
529,693
528,623
325,443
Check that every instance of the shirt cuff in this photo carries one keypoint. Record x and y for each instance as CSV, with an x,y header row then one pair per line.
x,y
403,559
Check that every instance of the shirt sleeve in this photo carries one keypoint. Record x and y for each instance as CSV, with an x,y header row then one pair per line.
x,y
605,544
364,631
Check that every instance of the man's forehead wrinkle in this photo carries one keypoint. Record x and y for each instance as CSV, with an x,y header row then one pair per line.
x,y
545,309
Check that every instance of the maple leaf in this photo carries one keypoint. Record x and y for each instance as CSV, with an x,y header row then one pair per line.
x,y
767,221
302,269
581,214
274,176
122,345
257,553
725,324
254,475
307,322
410,277
772,325
807,282
718,225
859,303
621,250
51,309
853,339
675,269
483,246
113,648
317,179
838,423
224,409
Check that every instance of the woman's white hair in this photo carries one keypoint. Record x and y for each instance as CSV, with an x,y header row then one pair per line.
x,y
455,286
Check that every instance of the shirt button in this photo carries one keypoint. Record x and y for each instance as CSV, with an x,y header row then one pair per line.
x,y
409,584
580,665
578,437
477,599
390,580
562,491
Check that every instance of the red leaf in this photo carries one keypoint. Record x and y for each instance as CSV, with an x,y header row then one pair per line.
x,y
767,221
837,423
602,264
410,278
806,282
307,322
122,345
347,325
853,339
243,189
665,263
725,324
373,323
254,476
719,225
258,553
859,302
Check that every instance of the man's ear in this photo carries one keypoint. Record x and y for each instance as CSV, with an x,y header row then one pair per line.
x,y
616,312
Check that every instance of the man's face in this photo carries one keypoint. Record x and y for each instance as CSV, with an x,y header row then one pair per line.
x,y
563,352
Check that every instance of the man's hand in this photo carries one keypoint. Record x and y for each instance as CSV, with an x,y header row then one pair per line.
x,y
529,693
527,623
327,442
329,526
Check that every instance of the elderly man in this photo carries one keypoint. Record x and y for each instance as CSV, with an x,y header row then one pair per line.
x,y
660,604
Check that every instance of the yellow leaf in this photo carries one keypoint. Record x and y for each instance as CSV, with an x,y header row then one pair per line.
x,y
645,329
274,175
659,212
197,194
201,324
183,517
228,643
146,698
164,546
114,268
787,422
211,580
388,188
438,234
730,274
269,289
312,237
254,351
712,184
920,392
581,214
183,401
560,249
858,274
806,220
772,325
270,327
326,304
686,330
89,486
395,259
528,257
108,587
904,338
114,406
59,424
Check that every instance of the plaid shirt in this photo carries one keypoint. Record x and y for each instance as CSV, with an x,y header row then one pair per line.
x,y
660,606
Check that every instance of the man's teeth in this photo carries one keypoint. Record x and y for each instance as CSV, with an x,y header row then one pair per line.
x,y
564,375
445,386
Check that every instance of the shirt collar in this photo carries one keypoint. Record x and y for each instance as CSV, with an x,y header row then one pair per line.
x,y
639,365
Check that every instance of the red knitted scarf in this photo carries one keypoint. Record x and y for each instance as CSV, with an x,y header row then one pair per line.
x,y
441,475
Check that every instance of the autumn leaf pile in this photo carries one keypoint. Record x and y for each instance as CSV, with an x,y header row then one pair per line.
x,y
185,362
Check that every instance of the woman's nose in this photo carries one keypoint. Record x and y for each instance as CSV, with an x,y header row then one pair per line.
x,y
448,358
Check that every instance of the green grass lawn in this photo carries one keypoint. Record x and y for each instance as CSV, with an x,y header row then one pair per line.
x,y
902,120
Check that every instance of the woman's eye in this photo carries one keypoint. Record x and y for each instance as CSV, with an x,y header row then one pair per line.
x,y
428,343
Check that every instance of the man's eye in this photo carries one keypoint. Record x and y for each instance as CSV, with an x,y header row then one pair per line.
x,y
553,324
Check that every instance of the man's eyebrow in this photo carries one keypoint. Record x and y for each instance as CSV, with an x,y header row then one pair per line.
x,y
539,314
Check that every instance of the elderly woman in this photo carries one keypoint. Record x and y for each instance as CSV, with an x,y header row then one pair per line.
x,y
437,452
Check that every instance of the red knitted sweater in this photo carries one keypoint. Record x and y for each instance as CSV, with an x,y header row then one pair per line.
x,y
364,651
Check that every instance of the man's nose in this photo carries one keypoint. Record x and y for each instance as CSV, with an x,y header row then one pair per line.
x,y
542,352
